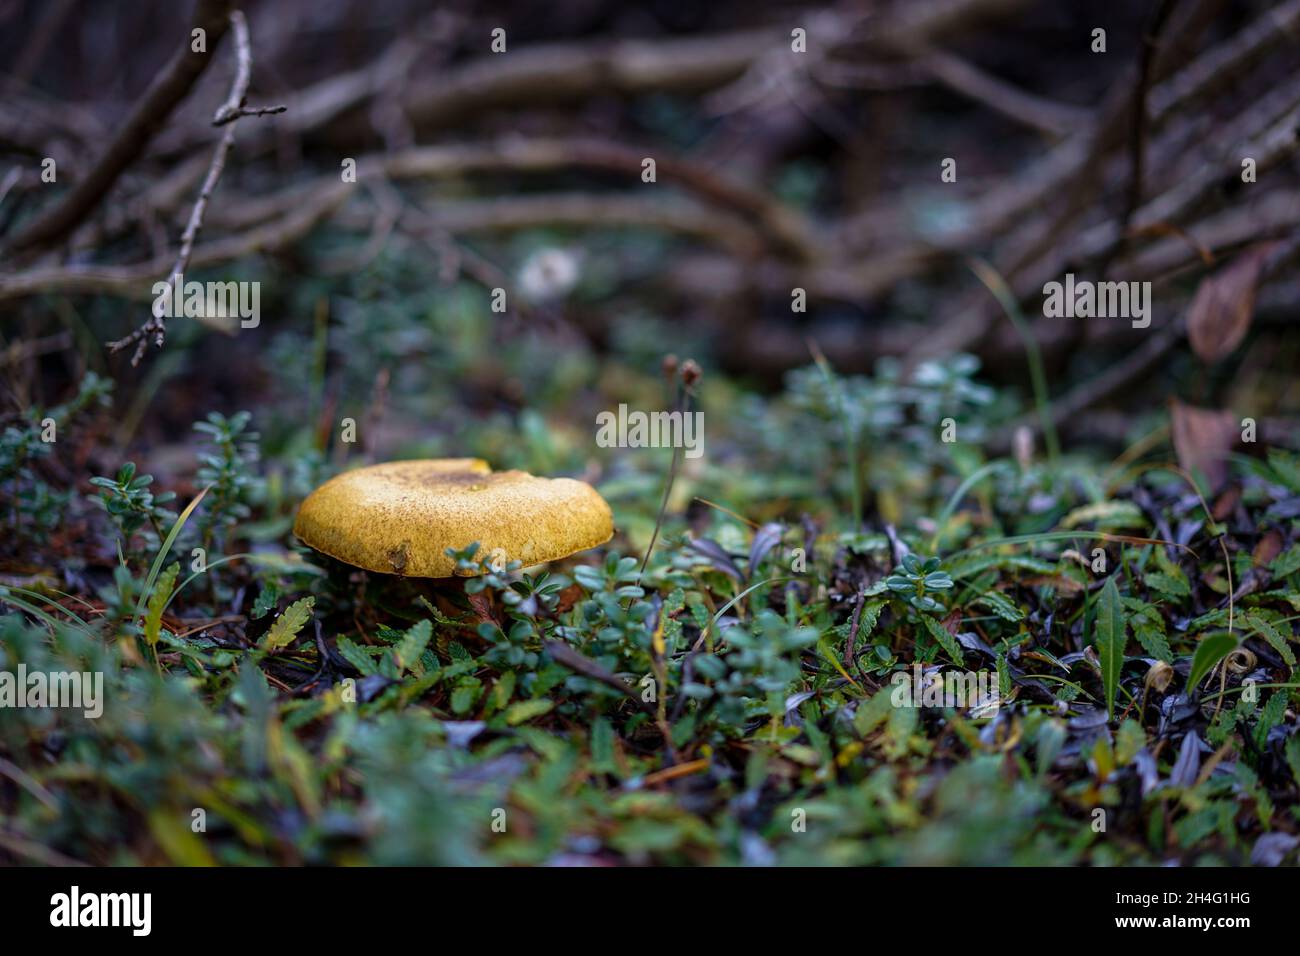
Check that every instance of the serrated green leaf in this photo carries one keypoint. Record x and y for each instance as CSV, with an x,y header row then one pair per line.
x,y
1001,605
1215,618
413,643
357,656
1153,641
1173,585
266,600
286,627
870,617
945,639
1109,638
1149,628
1286,563
1269,717
1268,625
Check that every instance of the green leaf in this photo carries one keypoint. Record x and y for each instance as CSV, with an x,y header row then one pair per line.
x,y
1004,673
171,828
357,656
899,727
1269,717
1292,752
463,697
413,644
872,713
602,744
524,710
286,627
945,639
1149,628
869,618
162,551
1216,618
502,690
1109,636
1048,743
1268,625
162,590
1129,739
1152,638
1286,563
1212,649
1001,605
267,598
1172,585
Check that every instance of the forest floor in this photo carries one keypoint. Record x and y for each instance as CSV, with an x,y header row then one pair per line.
x,y
748,698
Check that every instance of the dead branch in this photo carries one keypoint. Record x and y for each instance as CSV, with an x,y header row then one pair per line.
x,y
226,115
1138,119
969,80
168,88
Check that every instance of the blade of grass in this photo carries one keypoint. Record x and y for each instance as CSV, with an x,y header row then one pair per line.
x,y
42,615
974,478
54,604
850,433
163,551
699,641
994,282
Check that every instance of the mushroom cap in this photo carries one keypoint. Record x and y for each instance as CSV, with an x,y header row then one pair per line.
x,y
402,516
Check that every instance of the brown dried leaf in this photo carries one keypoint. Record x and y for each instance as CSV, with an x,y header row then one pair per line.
x,y
1226,503
1268,547
1220,315
1202,439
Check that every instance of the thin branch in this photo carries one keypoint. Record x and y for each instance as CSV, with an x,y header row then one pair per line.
x,y
969,80
147,118
1138,120
226,115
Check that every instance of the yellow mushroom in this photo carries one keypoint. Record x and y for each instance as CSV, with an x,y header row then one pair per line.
x,y
402,516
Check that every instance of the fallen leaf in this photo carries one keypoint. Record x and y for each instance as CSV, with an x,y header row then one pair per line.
x,y
1226,503
1220,314
1268,548
1202,439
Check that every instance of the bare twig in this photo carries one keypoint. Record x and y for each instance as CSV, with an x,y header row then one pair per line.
x,y
148,116
1138,118
1017,104
226,115
565,655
